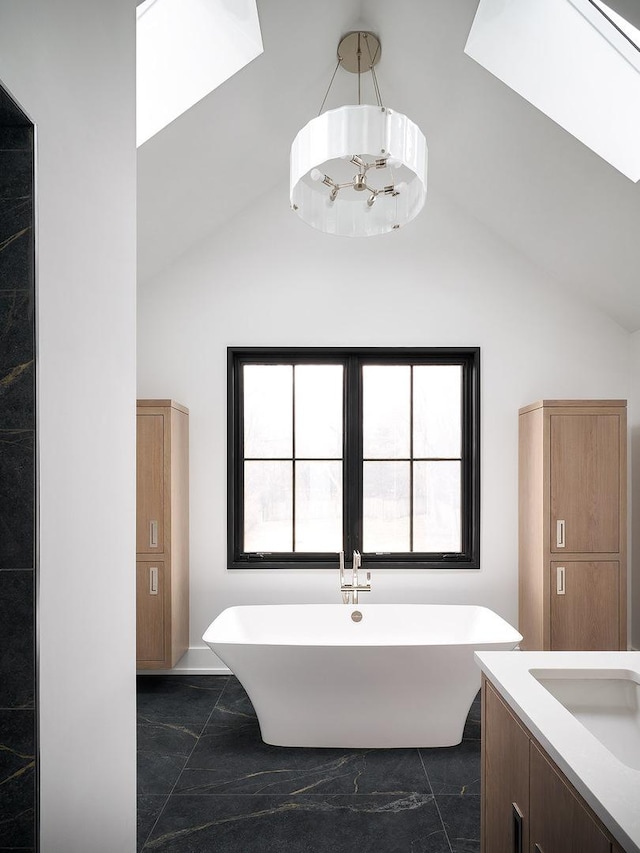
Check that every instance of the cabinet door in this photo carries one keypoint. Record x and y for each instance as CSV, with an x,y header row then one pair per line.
x,y
150,627
558,822
585,483
505,779
585,600
150,484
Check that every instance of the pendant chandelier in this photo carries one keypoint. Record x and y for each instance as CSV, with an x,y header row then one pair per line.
x,y
358,170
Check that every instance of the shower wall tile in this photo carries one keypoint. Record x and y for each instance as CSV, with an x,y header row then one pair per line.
x,y
17,504
16,138
17,403
17,659
15,173
17,779
18,794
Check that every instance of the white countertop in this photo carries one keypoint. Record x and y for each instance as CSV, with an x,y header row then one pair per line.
x,y
611,788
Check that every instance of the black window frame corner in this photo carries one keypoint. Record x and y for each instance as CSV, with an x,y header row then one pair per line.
x,y
353,358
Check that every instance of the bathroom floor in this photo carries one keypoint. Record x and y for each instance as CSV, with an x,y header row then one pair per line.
x,y
207,782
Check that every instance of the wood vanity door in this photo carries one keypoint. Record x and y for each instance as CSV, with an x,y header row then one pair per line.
x,y
586,616
585,483
558,822
505,778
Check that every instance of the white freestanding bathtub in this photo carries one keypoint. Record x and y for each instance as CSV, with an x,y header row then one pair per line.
x,y
402,676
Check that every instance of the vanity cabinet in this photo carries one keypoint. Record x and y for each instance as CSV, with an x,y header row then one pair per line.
x,y
526,802
162,534
572,525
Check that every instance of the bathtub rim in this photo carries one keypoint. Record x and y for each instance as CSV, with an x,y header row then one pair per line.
x,y
510,638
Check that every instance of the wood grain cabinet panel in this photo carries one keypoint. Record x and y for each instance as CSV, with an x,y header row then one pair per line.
x,y
559,823
150,484
505,778
585,482
572,516
527,805
162,534
585,598
150,634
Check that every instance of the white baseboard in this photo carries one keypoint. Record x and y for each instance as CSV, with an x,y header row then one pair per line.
x,y
196,661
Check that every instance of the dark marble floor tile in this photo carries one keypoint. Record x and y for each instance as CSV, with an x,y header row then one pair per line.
x,y
163,748
149,808
17,779
454,769
17,666
16,173
178,697
461,818
234,700
231,758
17,501
259,824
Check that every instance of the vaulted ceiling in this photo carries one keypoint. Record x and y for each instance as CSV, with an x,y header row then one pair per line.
x,y
490,152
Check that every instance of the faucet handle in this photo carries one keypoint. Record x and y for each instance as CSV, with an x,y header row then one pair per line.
x,y
357,560
341,562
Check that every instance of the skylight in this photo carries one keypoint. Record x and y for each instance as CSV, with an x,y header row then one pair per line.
x,y
185,49
575,61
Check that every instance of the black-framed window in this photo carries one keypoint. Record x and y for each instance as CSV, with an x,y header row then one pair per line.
x,y
369,449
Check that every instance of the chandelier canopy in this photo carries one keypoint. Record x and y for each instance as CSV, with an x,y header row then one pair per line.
x,y
358,170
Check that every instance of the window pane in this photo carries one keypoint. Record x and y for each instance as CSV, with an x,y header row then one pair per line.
x,y
319,410
437,400
318,506
268,506
386,411
268,410
386,506
436,507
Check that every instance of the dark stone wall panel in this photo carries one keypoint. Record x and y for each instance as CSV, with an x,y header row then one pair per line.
x,y
16,138
17,652
17,493
17,779
16,177
17,403
18,711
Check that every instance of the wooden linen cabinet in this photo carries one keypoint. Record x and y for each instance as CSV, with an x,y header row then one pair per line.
x,y
162,534
573,525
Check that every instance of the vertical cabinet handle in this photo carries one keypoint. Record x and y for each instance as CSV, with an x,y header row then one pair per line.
x,y
560,581
516,816
560,533
153,580
153,534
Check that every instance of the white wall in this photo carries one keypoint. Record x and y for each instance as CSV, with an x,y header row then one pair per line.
x,y
268,279
71,65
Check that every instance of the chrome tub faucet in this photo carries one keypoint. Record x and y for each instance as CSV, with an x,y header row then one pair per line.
x,y
350,590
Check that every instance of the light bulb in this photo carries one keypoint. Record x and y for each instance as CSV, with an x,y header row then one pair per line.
x,y
401,187
316,175
393,163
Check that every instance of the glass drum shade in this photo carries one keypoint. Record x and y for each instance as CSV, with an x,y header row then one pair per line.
x,y
328,142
